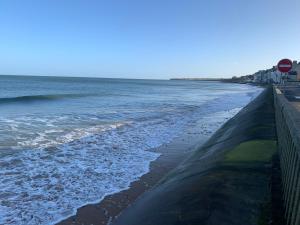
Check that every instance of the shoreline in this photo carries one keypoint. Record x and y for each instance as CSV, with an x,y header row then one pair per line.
x,y
172,154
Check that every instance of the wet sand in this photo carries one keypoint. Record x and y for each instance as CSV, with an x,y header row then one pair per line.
x,y
172,154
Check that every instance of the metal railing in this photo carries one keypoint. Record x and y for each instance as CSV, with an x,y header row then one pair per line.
x,y
288,132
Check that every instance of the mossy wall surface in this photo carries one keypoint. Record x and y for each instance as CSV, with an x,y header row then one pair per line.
x,y
257,151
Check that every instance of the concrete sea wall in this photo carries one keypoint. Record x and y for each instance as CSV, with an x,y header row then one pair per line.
x,y
225,182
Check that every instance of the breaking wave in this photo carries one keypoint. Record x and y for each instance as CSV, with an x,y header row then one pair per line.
x,y
31,98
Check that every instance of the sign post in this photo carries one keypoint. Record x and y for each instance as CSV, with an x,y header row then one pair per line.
x,y
284,66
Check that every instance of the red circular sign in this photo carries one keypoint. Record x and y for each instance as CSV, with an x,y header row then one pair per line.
x,y
284,65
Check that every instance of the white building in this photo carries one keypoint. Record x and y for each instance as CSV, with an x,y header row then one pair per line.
x,y
273,76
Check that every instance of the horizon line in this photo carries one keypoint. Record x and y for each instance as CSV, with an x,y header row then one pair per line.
x,y
129,78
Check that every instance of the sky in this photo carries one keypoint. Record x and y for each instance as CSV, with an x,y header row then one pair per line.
x,y
156,39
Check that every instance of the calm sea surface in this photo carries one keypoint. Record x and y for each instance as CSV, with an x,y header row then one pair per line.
x,y
66,142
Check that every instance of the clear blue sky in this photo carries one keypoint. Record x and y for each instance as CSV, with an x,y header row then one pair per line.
x,y
146,38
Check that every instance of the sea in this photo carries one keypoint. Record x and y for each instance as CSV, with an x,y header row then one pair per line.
x,y
66,142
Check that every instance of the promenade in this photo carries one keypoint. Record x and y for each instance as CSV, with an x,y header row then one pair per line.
x,y
292,94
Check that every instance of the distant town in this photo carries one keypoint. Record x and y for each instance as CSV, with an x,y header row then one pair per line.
x,y
268,76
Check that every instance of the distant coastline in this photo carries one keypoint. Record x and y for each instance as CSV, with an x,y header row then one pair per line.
x,y
200,79
226,80
237,80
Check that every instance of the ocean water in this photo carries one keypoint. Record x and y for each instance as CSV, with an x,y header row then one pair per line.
x,y
66,142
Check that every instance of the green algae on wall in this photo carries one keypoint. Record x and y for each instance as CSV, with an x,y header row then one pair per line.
x,y
252,152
